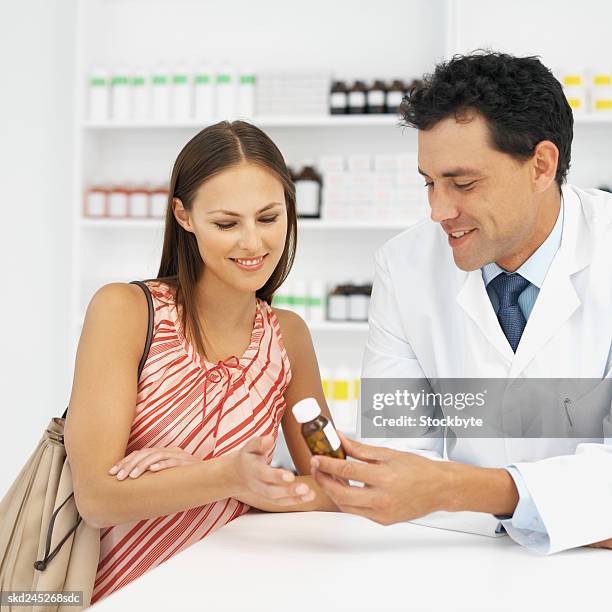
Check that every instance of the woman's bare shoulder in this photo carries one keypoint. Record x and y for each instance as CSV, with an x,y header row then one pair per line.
x,y
293,328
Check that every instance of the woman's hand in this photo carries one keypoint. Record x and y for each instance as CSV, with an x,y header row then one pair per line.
x,y
153,459
258,484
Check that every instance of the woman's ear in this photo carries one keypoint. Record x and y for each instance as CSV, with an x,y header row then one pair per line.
x,y
181,215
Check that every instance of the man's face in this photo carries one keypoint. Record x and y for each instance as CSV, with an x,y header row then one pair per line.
x,y
474,188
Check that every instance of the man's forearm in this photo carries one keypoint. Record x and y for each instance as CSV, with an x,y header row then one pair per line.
x,y
479,489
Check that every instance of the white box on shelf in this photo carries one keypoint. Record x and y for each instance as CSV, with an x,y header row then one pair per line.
x,y
382,196
364,178
385,180
386,163
334,195
336,179
408,162
359,163
333,211
331,163
358,195
361,211
409,179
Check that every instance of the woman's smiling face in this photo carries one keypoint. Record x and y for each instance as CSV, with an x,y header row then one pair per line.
x,y
239,219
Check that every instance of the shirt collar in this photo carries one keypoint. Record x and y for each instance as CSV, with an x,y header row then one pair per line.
x,y
536,267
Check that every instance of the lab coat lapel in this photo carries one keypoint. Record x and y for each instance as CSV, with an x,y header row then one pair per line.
x,y
474,300
557,299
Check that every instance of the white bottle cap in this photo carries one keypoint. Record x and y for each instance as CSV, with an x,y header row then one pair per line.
x,y
306,410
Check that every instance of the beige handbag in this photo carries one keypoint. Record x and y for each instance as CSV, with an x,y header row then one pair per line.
x,y
44,543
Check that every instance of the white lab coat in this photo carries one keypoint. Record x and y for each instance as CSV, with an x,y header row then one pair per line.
x,y
430,319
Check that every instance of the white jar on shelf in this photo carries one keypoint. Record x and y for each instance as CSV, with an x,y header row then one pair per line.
x,y
99,95
283,297
601,91
573,83
96,202
139,96
337,305
158,201
120,95
325,381
203,88
299,293
308,192
118,202
139,203
316,300
181,106
246,95
358,301
225,83
160,96
341,404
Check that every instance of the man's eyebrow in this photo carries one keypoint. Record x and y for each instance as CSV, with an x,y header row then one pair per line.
x,y
235,214
460,171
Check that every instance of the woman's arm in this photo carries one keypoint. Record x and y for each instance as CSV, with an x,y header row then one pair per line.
x,y
305,382
100,417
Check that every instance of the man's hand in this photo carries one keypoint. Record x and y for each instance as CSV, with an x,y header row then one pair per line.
x,y
399,486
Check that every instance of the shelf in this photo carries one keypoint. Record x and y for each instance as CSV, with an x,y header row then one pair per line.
x,y
374,224
303,224
289,121
315,326
338,326
592,119
263,121
128,223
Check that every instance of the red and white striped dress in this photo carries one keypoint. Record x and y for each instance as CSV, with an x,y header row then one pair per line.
x,y
206,409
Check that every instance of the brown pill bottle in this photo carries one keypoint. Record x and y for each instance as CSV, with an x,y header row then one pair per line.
x,y
319,433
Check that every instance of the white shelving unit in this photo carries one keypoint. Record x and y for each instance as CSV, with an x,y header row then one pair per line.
x,y
418,34
105,250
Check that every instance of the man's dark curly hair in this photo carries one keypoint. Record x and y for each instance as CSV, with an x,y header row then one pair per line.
x,y
520,99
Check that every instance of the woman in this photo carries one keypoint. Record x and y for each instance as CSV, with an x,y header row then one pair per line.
x,y
222,368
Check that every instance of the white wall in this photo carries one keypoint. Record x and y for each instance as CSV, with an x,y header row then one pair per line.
x,y
567,36
351,38
36,61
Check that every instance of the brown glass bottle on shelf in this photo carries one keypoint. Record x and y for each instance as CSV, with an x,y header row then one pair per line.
x,y
395,95
319,433
377,98
357,104
308,185
338,99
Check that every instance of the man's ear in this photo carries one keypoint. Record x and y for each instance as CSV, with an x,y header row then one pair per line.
x,y
545,161
181,215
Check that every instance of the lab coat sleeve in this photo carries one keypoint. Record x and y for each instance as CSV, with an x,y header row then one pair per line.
x,y
526,515
388,354
573,496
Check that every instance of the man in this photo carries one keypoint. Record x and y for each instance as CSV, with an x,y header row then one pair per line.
x,y
513,280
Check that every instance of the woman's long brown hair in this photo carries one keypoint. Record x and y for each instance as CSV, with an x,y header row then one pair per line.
x,y
209,152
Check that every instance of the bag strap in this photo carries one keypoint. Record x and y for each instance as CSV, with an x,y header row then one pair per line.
x,y
41,564
149,339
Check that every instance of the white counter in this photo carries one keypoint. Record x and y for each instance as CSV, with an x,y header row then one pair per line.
x,y
329,561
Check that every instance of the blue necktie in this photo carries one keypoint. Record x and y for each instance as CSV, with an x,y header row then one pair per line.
x,y
508,288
